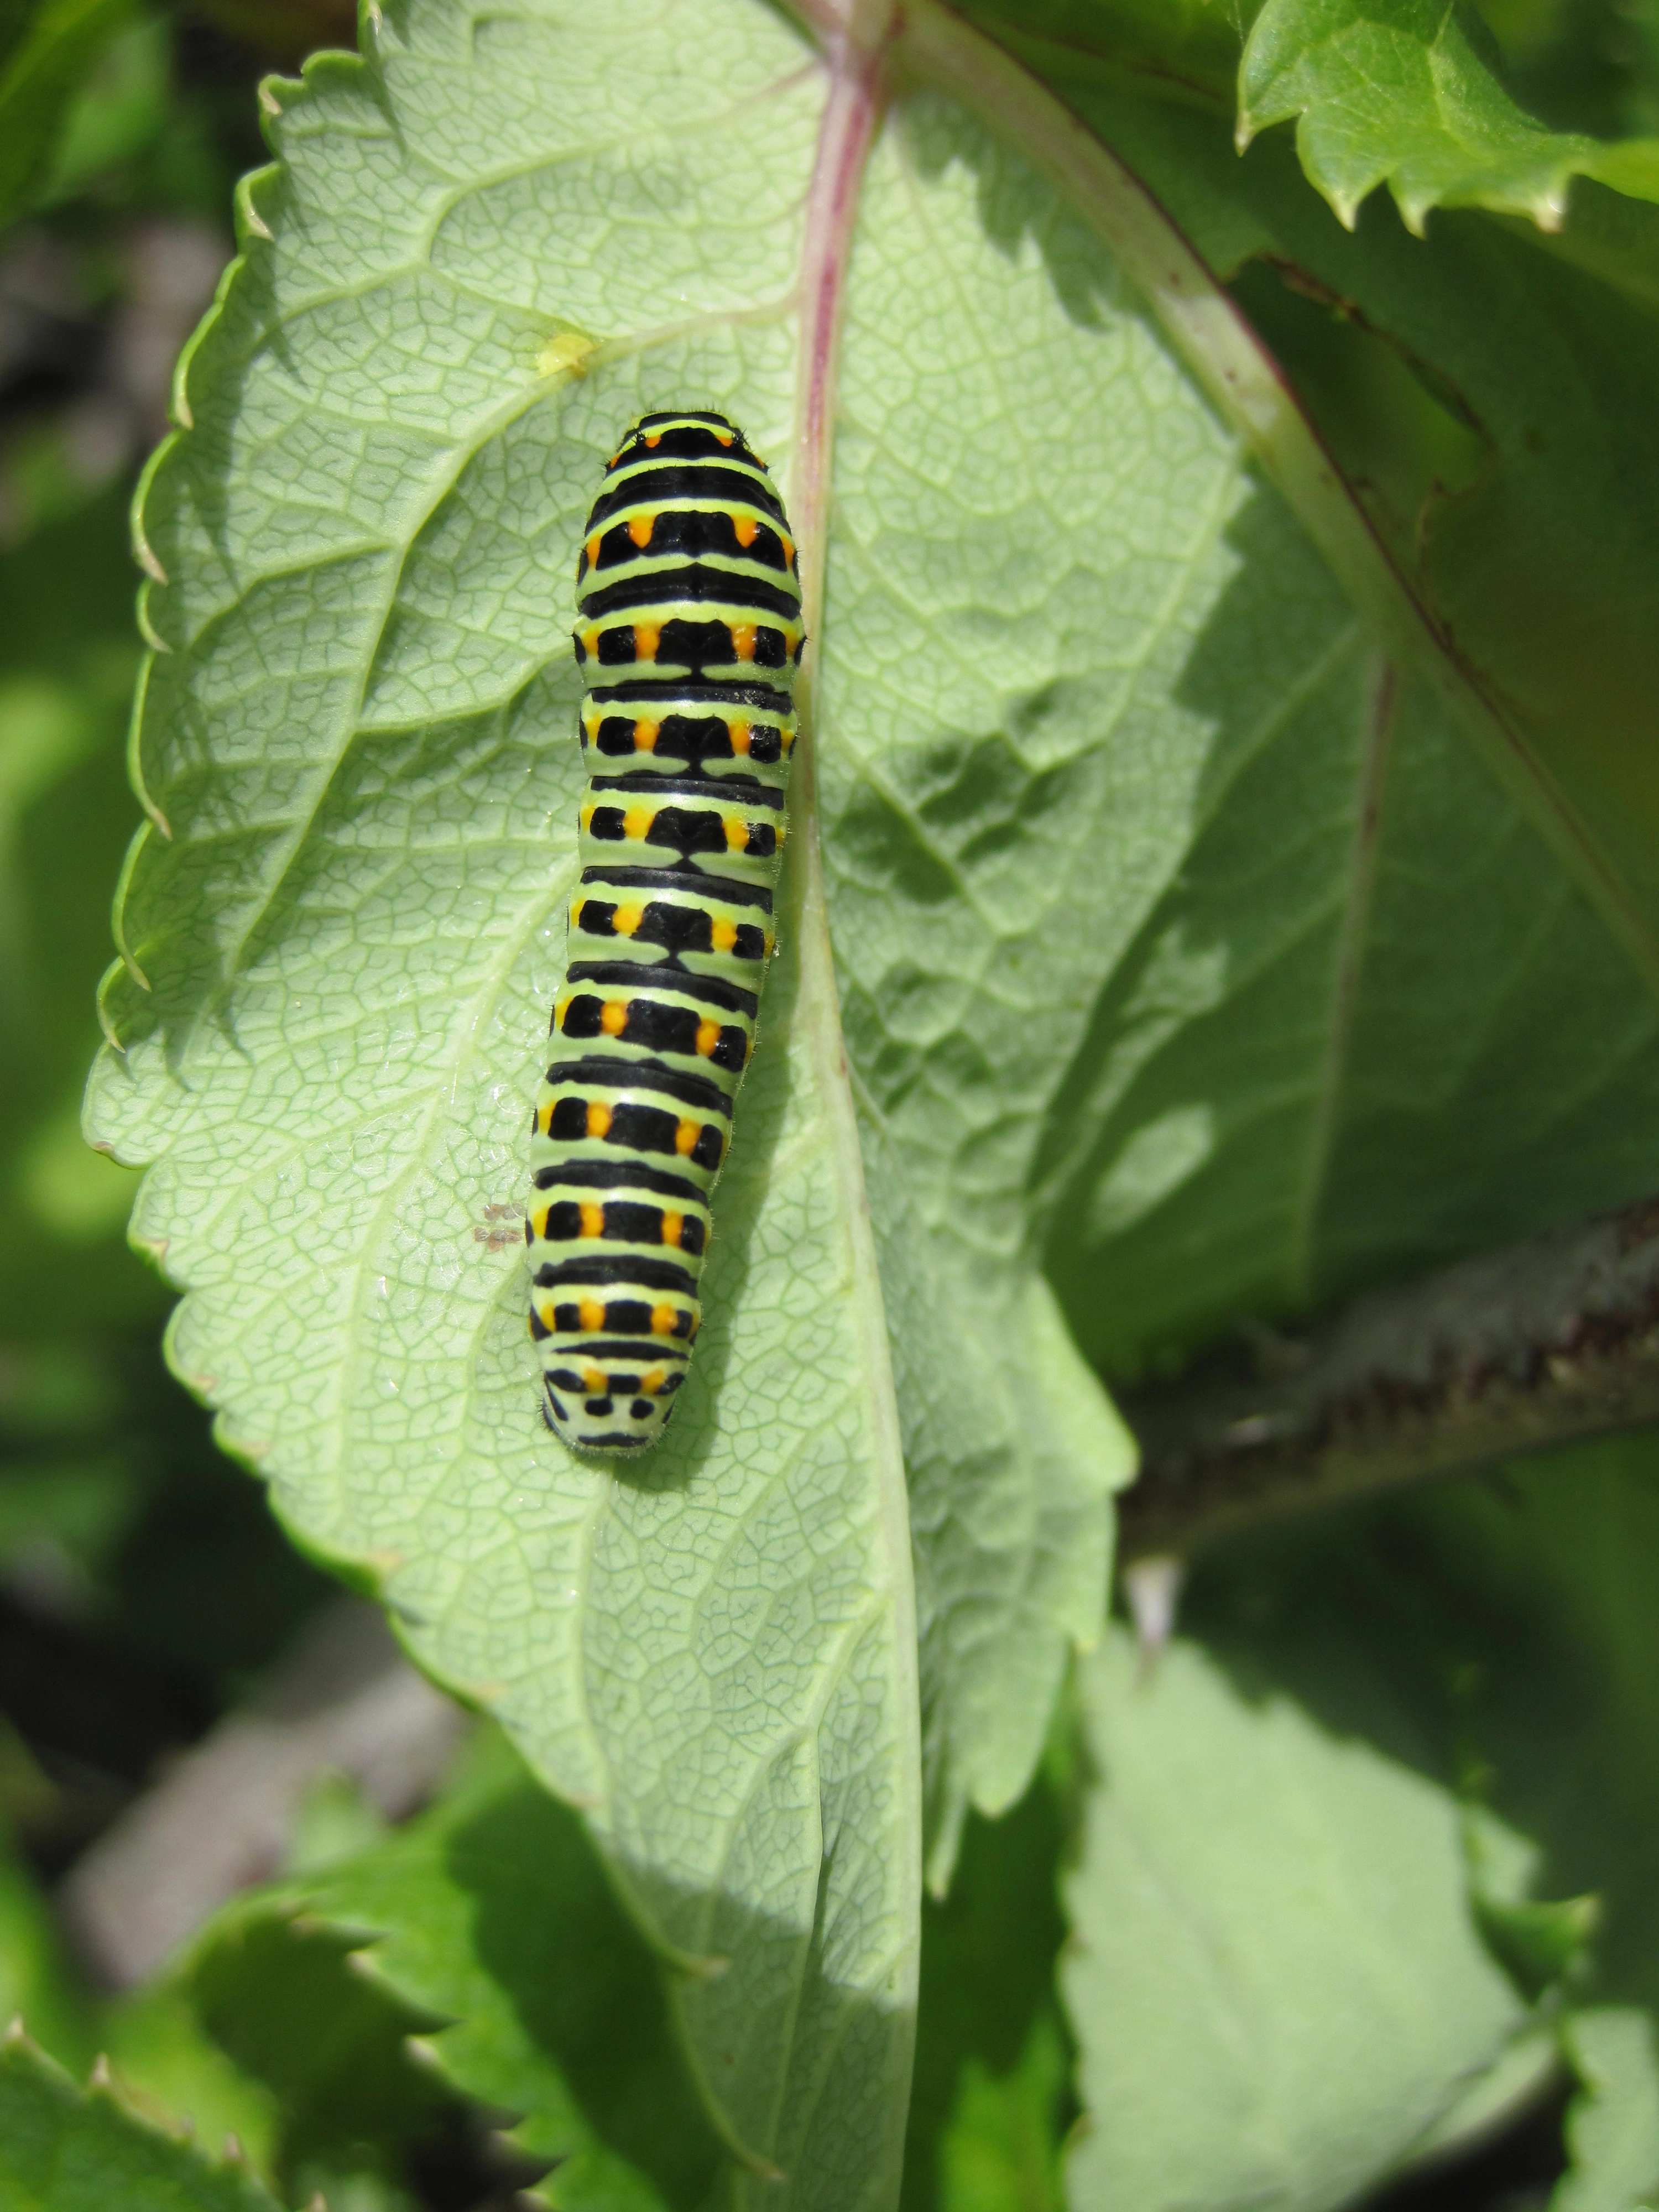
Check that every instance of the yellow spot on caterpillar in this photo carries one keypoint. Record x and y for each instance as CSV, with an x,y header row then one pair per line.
x,y
636,823
576,914
591,719
539,1225
673,1223
747,529
592,1215
591,643
594,544
709,1036
645,736
652,1381
588,817
544,1121
782,831
598,1118
787,733
591,1314
545,1317
741,735
724,934
565,353
639,530
663,1318
736,833
686,1135
560,1011
768,941
647,636
628,919
613,1017
742,639
595,1381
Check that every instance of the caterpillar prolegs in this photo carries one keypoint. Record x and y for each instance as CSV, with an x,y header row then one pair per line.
x,y
688,638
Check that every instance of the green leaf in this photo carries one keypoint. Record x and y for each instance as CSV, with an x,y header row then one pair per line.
x,y
490,1919
1277,1984
991,2100
1407,93
36,1983
1493,1643
169,2070
40,72
349,929
1612,2127
66,2149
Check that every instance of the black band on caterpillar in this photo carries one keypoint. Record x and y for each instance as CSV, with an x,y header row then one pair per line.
x,y
689,634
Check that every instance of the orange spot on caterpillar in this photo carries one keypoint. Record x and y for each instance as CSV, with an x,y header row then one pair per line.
x,y
645,736
598,1118
628,919
673,1223
709,1036
686,1135
652,1381
639,530
647,636
724,437
747,530
742,639
663,1318
636,823
593,1218
613,1017
653,438
593,549
724,934
590,1312
741,735
595,1381
788,545
736,833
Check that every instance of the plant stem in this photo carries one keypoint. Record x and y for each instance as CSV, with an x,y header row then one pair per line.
x,y
1551,1342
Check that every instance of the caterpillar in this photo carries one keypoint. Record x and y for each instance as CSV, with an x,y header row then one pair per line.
x,y
687,641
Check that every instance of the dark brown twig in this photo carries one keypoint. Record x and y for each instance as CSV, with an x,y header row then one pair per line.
x,y
1552,1342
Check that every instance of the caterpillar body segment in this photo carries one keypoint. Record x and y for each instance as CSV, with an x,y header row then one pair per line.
x,y
687,637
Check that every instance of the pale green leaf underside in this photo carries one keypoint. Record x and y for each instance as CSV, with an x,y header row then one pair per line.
x,y
66,2149
1277,1986
1612,2127
1405,95
352,936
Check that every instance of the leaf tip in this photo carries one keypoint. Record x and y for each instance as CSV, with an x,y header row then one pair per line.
x,y
144,553
1152,1588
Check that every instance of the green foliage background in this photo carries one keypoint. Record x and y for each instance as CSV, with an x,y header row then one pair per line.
x,y
1189,963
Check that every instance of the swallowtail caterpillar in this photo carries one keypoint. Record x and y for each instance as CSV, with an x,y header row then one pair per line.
x,y
688,639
